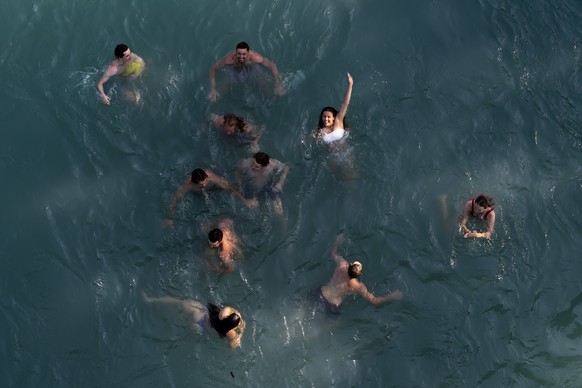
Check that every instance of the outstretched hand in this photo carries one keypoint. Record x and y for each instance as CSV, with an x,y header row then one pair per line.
x,y
213,95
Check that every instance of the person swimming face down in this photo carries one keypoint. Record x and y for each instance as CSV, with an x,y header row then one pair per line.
x,y
215,237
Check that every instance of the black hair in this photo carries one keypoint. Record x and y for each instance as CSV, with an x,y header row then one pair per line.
x,y
215,235
120,49
243,45
262,158
354,271
240,122
334,112
222,326
198,175
484,201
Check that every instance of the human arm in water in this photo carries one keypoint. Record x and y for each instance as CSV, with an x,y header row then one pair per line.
x,y
110,72
183,189
213,95
223,184
376,300
487,234
258,58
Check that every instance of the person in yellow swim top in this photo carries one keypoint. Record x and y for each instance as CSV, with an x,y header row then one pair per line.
x,y
127,64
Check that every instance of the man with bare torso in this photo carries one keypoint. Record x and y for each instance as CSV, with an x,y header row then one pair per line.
x,y
345,282
241,59
127,64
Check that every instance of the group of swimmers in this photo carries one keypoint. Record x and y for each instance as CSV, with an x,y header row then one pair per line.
x,y
264,178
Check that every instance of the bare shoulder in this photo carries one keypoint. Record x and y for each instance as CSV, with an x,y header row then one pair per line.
x,y
229,58
255,57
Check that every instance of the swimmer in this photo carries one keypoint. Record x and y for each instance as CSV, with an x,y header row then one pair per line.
x,y
261,172
480,207
226,321
332,124
345,282
234,125
127,64
223,237
239,59
198,181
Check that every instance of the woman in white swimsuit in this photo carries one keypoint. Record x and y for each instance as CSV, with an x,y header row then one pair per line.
x,y
331,125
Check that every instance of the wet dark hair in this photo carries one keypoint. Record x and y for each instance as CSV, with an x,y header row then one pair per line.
x,y
354,271
334,112
222,326
215,235
120,49
243,45
198,175
240,122
262,158
484,201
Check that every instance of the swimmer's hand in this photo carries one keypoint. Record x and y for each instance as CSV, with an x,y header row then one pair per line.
x,y
168,223
106,100
350,79
473,234
251,202
396,295
213,95
279,89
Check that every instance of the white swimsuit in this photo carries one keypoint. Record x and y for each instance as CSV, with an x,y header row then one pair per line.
x,y
335,135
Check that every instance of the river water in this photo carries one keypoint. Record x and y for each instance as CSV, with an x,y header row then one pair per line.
x,y
450,99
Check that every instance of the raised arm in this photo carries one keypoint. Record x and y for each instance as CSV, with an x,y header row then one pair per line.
x,y
339,120
337,257
363,291
212,75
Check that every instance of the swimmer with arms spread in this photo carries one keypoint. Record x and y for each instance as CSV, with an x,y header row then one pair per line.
x,y
345,282
482,208
331,126
226,321
127,64
198,181
241,57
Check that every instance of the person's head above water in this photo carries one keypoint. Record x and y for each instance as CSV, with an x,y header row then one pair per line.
x,y
262,158
120,49
242,52
355,270
233,123
484,201
327,117
215,237
198,176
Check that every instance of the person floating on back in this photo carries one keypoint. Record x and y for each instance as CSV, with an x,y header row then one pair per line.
x,y
480,207
127,64
240,59
345,281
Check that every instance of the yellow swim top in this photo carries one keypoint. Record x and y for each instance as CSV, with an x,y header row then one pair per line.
x,y
134,68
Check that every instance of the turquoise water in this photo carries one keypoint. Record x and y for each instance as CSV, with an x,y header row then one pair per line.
x,y
449,99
